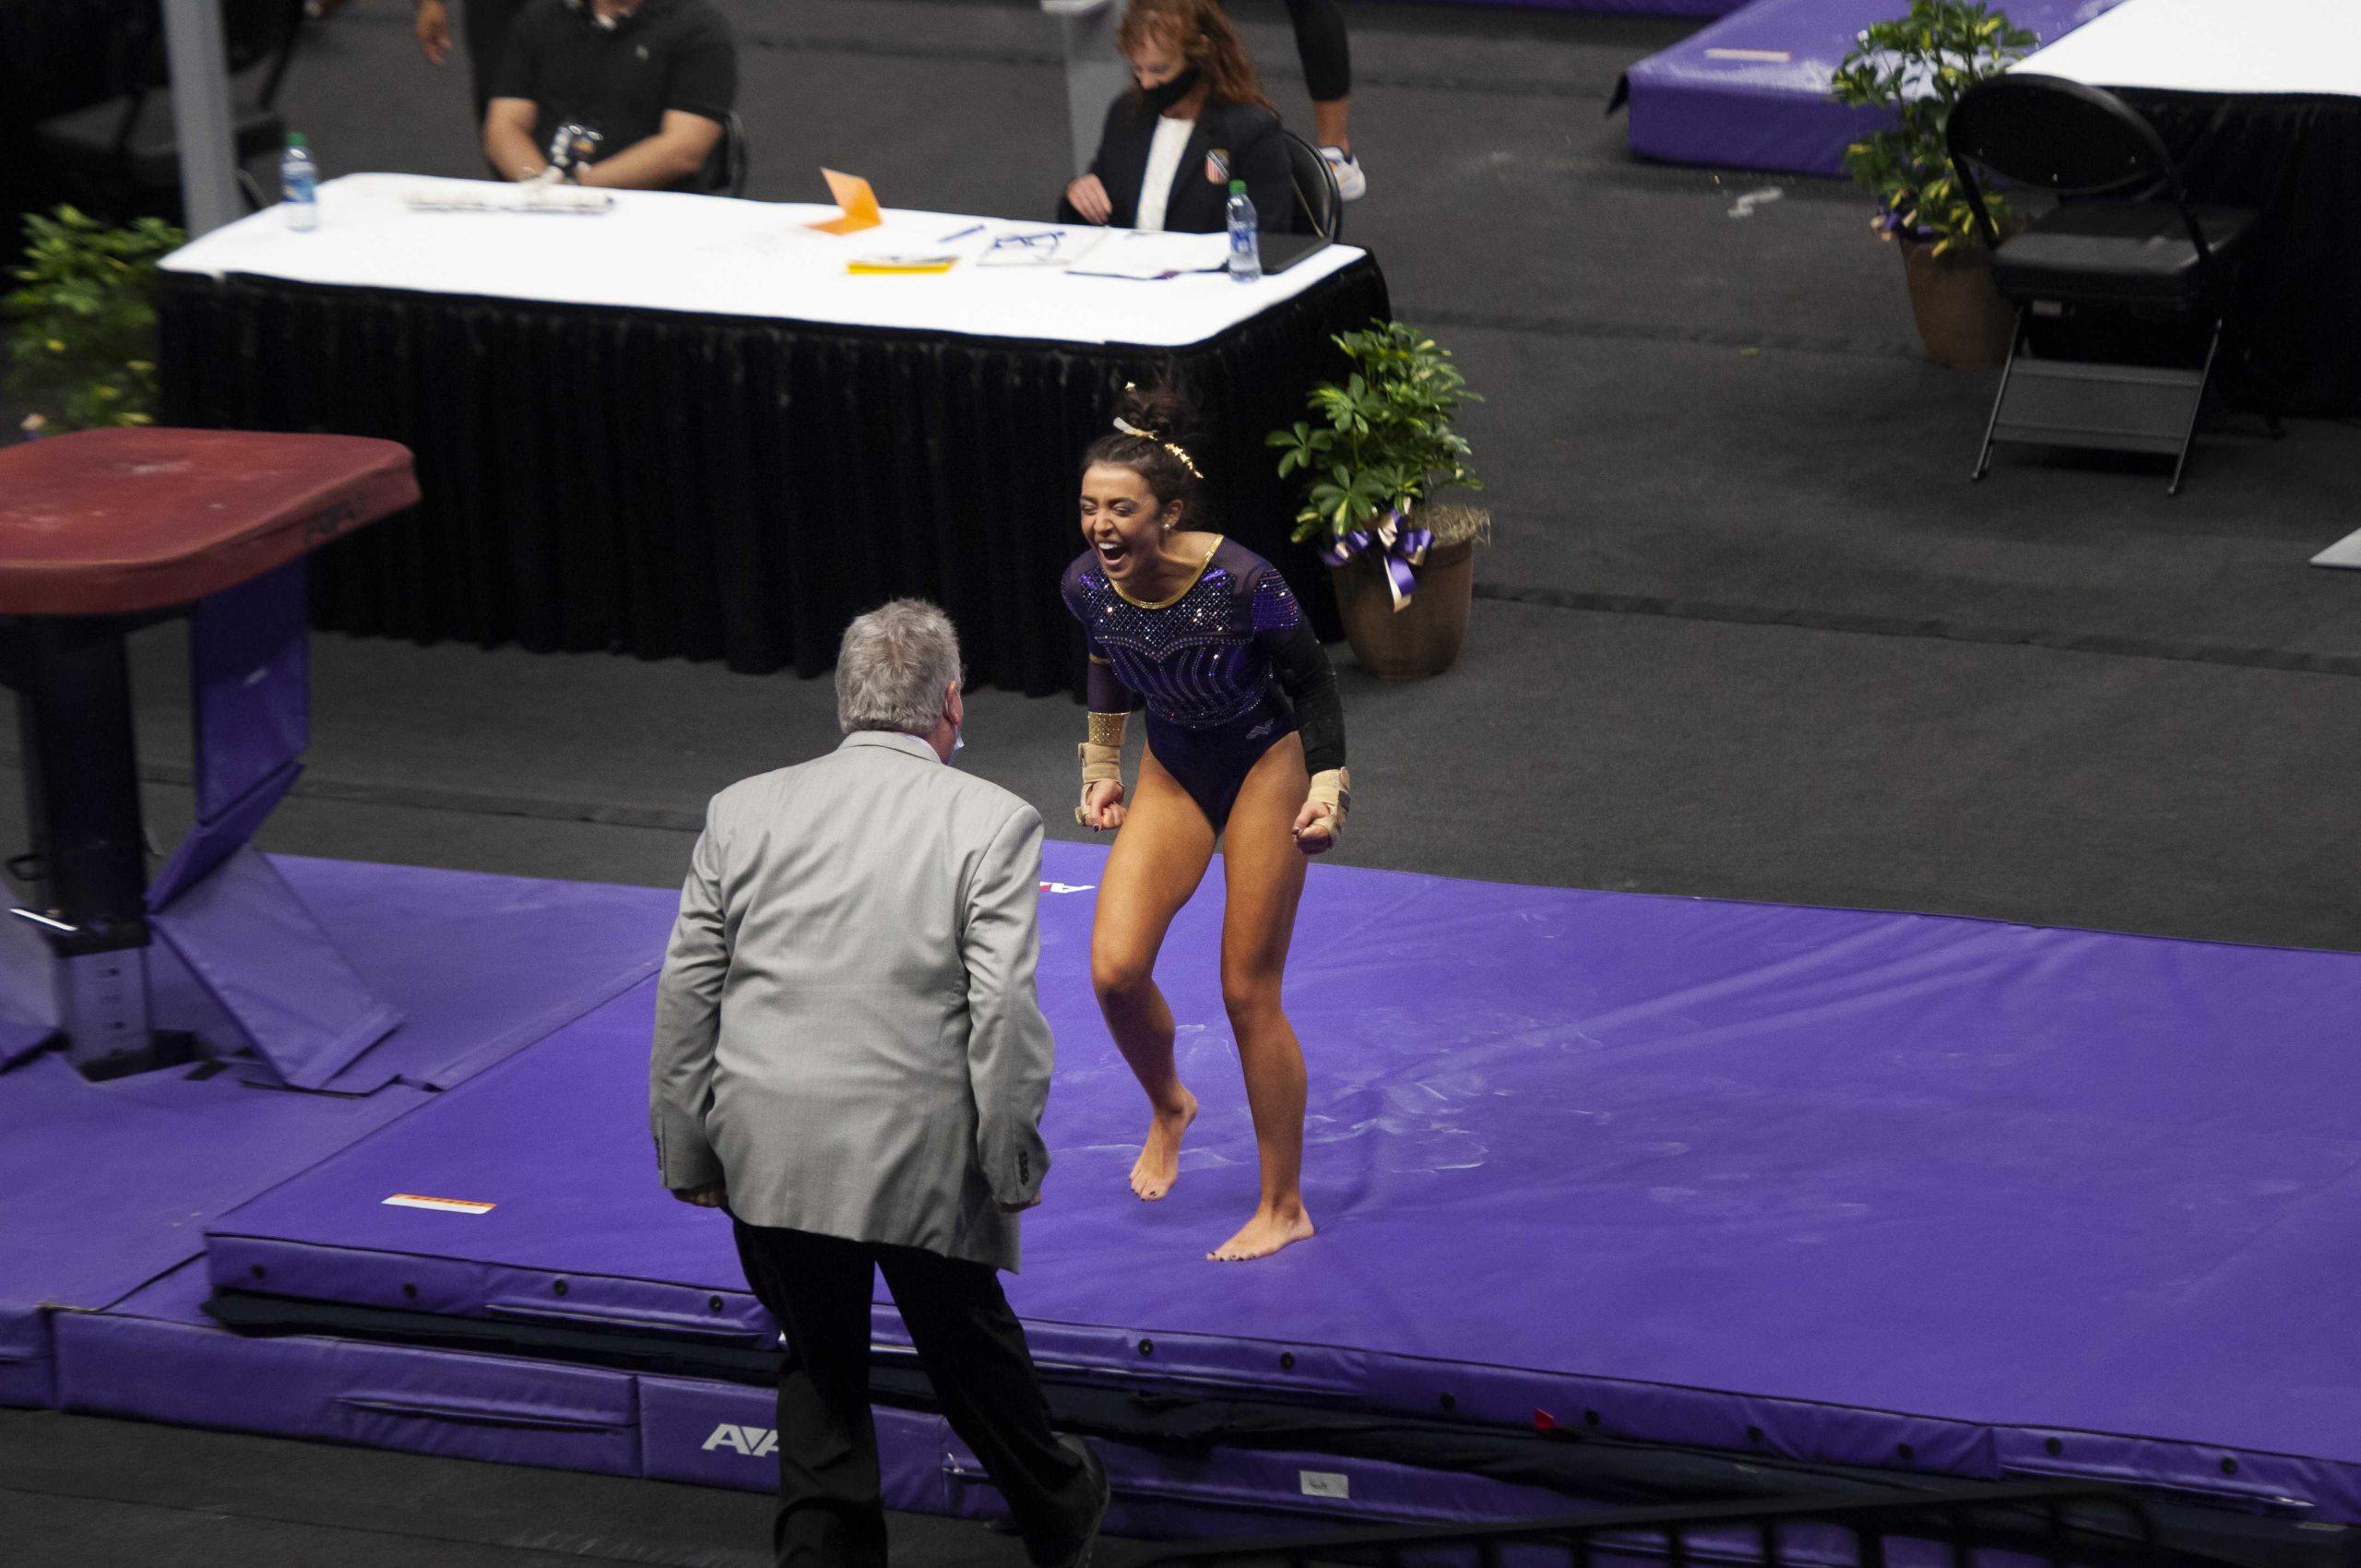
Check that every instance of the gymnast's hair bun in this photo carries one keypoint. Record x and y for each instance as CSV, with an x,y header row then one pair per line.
x,y
1160,407
1150,434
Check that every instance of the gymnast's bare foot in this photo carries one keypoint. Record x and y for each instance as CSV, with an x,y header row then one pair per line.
x,y
1272,1227
1159,1161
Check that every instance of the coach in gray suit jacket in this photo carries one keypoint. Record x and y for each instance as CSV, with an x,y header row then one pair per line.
x,y
849,1058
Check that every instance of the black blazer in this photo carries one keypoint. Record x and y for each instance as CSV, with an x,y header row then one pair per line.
x,y
1248,132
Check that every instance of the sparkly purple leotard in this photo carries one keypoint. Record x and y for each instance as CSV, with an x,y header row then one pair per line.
x,y
1228,667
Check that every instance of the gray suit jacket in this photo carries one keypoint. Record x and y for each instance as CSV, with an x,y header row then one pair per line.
x,y
845,1027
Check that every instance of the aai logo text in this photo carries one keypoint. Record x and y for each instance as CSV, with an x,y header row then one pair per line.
x,y
754,1442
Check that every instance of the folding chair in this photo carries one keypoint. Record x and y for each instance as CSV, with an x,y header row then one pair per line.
x,y
126,149
2124,241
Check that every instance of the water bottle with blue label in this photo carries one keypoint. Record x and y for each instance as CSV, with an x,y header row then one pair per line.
x,y
1245,236
299,183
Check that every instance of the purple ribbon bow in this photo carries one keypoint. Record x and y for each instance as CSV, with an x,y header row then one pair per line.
x,y
1402,550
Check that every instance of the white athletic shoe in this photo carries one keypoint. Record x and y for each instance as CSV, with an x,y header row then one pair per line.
x,y
1351,183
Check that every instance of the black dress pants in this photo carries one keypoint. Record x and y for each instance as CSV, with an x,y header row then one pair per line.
x,y
1321,42
818,1289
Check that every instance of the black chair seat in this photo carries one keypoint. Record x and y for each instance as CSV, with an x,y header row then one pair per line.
x,y
151,152
2118,252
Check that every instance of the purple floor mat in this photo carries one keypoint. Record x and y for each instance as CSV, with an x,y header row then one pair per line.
x,y
105,1186
478,965
1750,92
157,1357
1823,1182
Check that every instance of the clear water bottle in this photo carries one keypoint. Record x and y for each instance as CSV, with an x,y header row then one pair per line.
x,y
1245,236
299,183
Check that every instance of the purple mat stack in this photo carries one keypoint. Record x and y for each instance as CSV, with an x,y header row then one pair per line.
x,y
1846,1188
1614,7
1750,92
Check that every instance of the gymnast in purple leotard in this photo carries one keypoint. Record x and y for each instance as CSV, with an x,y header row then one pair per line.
x,y
1245,744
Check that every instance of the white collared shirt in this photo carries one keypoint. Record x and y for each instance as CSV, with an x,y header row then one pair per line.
x,y
1163,167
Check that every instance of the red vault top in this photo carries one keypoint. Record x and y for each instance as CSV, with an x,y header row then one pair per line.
x,y
114,522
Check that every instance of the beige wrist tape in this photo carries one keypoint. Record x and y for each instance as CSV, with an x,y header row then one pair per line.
x,y
1100,759
1333,788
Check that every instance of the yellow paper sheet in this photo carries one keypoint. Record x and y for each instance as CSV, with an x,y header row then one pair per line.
x,y
882,265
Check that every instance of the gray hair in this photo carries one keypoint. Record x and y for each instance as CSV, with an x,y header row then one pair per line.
x,y
894,666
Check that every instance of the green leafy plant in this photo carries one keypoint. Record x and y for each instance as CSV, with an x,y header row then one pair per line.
x,y
1916,66
1382,440
82,340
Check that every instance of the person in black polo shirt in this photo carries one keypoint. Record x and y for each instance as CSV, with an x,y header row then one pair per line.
x,y
649,81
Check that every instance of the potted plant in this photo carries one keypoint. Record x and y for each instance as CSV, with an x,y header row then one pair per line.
x,y
82,346
1915,67
1377,448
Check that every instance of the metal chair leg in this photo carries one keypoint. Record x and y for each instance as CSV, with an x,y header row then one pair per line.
x,y
2197,407
2016,341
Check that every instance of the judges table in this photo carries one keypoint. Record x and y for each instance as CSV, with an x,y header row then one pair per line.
x,y
2260,99
683,427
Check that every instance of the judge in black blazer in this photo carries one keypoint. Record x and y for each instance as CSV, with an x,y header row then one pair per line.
x,y
1197,95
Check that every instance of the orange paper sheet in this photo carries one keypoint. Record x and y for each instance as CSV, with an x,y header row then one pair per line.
x,y
855,200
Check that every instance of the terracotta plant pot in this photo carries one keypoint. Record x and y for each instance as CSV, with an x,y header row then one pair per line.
x,y
1961,318
1423,638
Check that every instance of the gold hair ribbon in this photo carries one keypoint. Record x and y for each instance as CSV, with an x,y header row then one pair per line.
x,y
1128,428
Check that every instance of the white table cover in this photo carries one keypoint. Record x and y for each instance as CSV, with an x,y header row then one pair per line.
x,y
2222,46
714,255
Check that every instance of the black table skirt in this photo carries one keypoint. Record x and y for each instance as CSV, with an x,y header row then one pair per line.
x,y
727,488
2297,160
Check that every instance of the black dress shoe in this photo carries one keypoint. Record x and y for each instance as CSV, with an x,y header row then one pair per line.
x,y
1080,1556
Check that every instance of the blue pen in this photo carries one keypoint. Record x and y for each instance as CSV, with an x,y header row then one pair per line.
x,y
971,229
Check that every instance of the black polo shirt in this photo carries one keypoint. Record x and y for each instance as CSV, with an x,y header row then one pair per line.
x,y
618,81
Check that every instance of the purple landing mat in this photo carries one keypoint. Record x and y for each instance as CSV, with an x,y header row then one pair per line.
x,y
105,1186
25,1358
1825,1181
720,1434
1750,92
155,1356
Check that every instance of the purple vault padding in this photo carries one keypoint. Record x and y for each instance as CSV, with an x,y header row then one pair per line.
x,y
105,1186
269,969
265,963
250,679
478,965
1750,92
1852,1179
